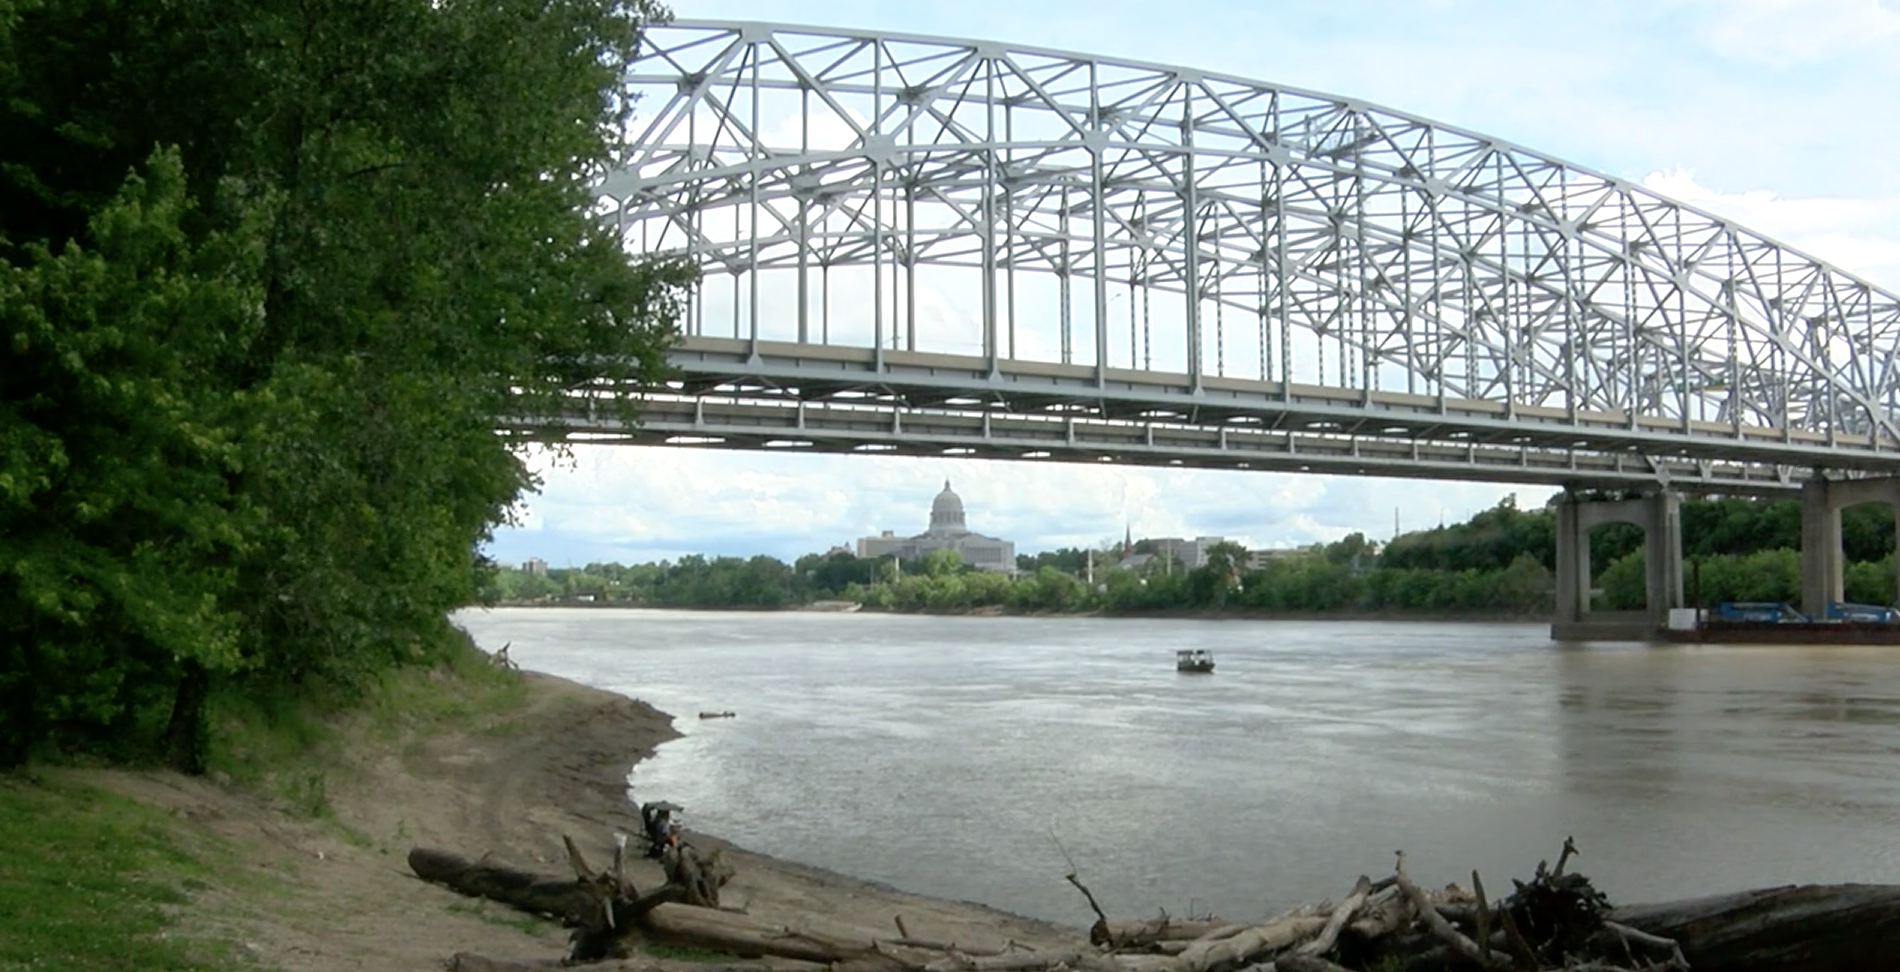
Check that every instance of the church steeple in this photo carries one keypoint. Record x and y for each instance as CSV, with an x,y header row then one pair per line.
x,y
1128,541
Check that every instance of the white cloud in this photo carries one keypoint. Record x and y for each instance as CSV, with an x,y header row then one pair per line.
x,y
1786,33
1786,98
647,503
1861,236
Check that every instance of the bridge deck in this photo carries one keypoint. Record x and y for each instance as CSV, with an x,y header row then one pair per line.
x,y
775,395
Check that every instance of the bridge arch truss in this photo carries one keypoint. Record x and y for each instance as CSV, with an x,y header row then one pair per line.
x,y
930,225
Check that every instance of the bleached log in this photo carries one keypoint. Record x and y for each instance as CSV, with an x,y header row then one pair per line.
x,y
1337,920
1427,912
1634,942
1247,947
743,935
1383,913
1136,934
1224,931
1013,962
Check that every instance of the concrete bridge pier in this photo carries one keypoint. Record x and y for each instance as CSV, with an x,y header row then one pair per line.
x,y
1823,563
1660,517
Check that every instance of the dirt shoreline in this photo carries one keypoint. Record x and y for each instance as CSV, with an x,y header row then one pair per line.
x,y
337,892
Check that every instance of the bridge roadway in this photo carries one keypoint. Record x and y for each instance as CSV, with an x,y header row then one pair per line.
x,y
741,394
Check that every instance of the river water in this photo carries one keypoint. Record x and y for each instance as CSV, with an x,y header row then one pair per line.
x,y
960,757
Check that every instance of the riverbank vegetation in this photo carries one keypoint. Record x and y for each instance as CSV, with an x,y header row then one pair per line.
x,y
269,277
1500,562
89,877
289,846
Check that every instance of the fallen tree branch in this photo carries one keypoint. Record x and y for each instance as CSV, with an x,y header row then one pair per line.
x,y
1563,856
1521,951
1655,944
1385,912
1484,957
1338,919
1247,947
1101,925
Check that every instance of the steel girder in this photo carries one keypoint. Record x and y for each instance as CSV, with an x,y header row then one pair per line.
x,y
1289,238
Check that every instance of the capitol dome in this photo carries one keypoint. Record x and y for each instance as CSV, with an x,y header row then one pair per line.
x,y
946,512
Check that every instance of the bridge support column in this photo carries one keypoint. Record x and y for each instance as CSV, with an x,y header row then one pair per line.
x,y
1823,563
1660,516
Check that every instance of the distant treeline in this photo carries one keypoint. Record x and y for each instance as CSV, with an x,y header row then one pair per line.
x,y
1498,562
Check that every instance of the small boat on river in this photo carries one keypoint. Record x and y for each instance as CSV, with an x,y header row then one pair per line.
x,y
1194,661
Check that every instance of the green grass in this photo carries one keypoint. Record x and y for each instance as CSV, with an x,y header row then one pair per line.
x,y
506,917
683,953
464,692
86,879
289,746
90,880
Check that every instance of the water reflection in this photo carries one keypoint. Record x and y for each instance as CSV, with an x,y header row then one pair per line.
x,y
1619,714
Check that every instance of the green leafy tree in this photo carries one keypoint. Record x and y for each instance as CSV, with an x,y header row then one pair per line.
x,y
1351,549
1871,582
114,465
363,243
1220,575
1049,590
1524,586
941,563
831,574
1624,583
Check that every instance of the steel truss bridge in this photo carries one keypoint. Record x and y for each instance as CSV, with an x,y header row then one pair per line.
x,y
927,246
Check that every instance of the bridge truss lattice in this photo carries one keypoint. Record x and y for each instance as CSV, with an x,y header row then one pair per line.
x,y
1012,231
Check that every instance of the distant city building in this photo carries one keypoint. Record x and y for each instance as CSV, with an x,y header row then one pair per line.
x,y
1188,553
1261,558
947,532
535,566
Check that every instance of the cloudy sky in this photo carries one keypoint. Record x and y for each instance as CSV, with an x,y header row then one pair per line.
x,y
1782,114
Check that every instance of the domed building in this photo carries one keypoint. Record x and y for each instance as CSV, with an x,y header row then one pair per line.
x,y
948,531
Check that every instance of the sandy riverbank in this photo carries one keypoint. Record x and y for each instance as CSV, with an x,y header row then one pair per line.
x,y
335,893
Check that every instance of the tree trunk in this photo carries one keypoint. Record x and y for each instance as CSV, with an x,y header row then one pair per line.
x,y
519,889
697,878
185,733
1804,928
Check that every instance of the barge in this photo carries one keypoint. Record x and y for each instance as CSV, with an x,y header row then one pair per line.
x,y
1771,623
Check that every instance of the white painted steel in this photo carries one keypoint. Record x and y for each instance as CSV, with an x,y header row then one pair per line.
x,y
924,220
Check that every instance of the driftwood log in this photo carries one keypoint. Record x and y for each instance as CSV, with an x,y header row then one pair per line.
x,y
534,893
469,962
1805,928
1556,922
1137,934
603,907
